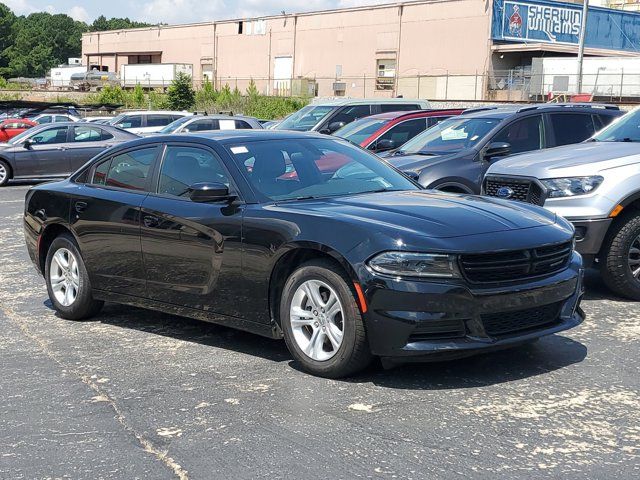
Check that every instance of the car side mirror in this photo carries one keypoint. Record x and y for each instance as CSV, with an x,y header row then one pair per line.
x,y
335,126
209,192
3,127
415,176
27,144
497,149
385,144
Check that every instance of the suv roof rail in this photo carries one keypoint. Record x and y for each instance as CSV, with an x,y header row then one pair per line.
x,y
604,106
479,109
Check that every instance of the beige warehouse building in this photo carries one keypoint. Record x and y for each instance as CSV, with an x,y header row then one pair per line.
x,y
430,49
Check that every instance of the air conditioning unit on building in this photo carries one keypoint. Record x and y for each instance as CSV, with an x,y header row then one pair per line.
x,y
339,89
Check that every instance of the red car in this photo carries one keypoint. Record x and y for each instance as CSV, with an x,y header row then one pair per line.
x,y
386,131
11,127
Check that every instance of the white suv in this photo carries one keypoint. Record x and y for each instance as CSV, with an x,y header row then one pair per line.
x,y
596,186
146,121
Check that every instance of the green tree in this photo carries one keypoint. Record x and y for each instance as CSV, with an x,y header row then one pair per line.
x,y
206,97
180,94
252,90
103,23
7,21
138,96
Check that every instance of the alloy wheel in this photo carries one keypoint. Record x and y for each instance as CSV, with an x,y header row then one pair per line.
x,y
64,277
634,258
317,320
3,173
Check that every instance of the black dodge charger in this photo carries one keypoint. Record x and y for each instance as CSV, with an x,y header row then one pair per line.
x,y
304,237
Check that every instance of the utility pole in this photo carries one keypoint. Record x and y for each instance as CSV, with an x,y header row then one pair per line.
x,y
583,31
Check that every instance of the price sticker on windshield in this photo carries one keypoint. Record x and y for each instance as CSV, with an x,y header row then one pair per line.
x,y
239,150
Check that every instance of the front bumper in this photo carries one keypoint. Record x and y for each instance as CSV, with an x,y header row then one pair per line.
x,y
590,234
420,318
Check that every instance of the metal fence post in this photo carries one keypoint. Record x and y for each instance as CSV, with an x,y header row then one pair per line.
x,y
418,95
475,87
621,83
446,87
364,85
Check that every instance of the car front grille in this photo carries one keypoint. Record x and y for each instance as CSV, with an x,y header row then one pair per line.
x,y
516,264
523,190
437,330
496,324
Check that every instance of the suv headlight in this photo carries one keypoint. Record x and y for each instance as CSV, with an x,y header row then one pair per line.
x,y
571,186
408,264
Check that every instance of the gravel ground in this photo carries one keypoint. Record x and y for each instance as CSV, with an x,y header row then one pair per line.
x,y
139,394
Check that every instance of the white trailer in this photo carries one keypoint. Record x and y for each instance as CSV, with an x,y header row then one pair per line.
x,y
152,75
60,77
601,77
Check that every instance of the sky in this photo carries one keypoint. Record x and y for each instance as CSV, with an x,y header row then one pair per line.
x,y
176,11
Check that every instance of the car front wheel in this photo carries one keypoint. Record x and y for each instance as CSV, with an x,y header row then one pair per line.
x,y
621,259
68,283
5,173
322,324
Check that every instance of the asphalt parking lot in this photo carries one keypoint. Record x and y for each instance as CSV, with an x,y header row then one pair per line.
x,y
138,394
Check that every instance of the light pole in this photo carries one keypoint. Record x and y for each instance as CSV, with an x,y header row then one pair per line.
x,y
583,31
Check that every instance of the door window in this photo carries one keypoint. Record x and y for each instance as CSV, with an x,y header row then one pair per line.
x,y
131,121
227,124
242,125
50,136
400,133
184,166
202,125
128,170
571,127
349,114
523,135
158,120
62,118
398,107
45,119
86,134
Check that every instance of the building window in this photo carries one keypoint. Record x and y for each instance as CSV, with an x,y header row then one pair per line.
x,y
386,73
240,28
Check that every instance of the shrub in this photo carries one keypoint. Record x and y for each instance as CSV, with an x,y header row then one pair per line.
x,y
180,95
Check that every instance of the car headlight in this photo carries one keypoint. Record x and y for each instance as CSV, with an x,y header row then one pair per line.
x,y
408,264
571,186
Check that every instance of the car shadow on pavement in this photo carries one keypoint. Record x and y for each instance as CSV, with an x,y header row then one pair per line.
x,y
596,288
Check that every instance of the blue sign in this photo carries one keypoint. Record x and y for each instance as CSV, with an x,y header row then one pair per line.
x,y
544,21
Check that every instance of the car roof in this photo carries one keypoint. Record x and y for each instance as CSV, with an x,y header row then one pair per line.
x,y
221,116
155,112
224,137
501,112
366,101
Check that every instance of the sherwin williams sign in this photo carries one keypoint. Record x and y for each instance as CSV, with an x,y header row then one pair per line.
x,y
557,22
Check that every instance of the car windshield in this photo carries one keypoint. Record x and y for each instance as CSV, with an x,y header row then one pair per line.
x,y
304,119
303,168
449,136
625,129
173,126
360,130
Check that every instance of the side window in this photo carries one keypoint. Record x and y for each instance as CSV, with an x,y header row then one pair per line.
x,y
523,135
86,134
45,119
242,125
226,124
349,114
202,126
131,121
400,133
398,107
605,120
50,136
571,127
100,173
61,118
104,135
158,120
131,169
185,166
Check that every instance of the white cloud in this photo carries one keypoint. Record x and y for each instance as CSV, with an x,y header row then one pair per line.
x,y
78,13
20,7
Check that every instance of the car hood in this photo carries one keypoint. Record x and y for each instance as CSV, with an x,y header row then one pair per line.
x,y
581,159
426,213
416,163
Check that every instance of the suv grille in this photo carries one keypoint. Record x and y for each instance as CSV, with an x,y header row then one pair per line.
x,y
523,190
511,322
516,264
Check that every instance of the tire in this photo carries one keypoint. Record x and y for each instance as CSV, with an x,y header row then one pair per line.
x,y
5,173
352,353
73,279
620,255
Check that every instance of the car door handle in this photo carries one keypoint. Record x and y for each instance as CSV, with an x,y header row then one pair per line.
x,y
61,148
150,221
81,206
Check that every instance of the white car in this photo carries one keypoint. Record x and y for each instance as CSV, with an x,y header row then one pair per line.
x,y
146,121
55,118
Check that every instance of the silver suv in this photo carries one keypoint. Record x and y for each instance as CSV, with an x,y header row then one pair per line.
x,y
595,185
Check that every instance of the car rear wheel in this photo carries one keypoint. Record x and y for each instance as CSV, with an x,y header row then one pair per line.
x,y
621,259
5,173
322,325
68,283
